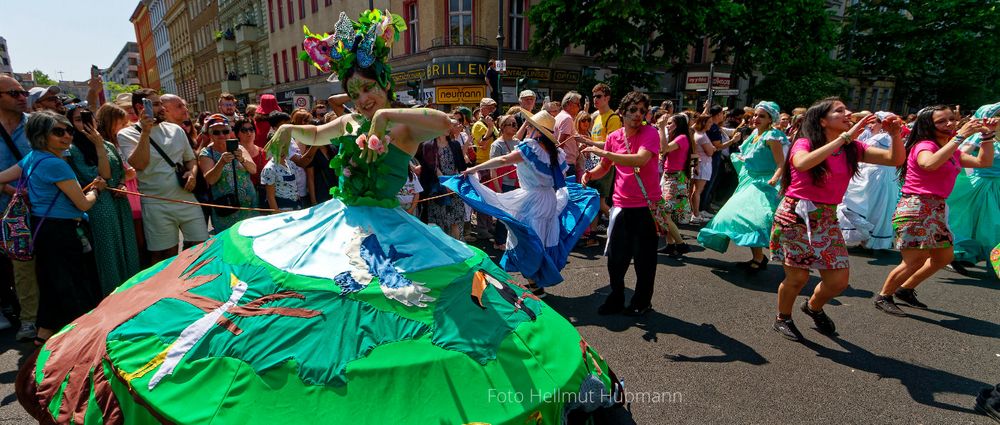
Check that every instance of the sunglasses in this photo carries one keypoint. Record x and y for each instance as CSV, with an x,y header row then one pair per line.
x,y
187,123
586,120
248,130
598,96
62,131
635,109
219,132
510,124
15,93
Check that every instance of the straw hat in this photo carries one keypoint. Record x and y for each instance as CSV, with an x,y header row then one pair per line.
x,y
543,122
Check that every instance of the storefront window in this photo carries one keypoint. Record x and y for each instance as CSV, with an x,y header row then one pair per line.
x,y
460,21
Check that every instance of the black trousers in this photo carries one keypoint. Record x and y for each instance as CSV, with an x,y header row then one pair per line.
x,y
67,277
633,238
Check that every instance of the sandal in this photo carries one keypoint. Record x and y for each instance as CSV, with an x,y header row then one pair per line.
x,y
754,266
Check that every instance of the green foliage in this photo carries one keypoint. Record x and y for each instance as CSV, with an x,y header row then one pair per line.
x,y
938,52
640,37
42,79
800,83
113,89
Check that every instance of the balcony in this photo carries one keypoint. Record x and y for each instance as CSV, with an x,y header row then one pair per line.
x,y
251,81
231,86
225,47
247,34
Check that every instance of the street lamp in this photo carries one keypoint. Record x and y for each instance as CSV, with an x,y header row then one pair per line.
x,y
499,83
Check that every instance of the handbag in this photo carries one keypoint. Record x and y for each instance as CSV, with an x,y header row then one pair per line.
x,y
229,199
659,208
18,240
200,187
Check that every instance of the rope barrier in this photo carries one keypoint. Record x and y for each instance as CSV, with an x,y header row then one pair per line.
x,y
200,204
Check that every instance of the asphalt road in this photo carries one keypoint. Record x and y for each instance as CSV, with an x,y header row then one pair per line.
x,y
707,353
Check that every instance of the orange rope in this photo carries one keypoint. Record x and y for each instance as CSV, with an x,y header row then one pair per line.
x,y
128,192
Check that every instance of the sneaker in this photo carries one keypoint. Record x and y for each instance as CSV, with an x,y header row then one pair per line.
x,y
909,296
611,306
601,228
823,322
886,304
706,215
637,311
682,248
4,323
696,220
27,331
988,403
669,249
787,329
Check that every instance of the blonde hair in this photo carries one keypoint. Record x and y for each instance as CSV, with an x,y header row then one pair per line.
x,y
107,115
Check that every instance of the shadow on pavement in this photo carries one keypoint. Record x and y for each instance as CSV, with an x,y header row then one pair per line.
x,y
23,350
921,382
958,323
581,311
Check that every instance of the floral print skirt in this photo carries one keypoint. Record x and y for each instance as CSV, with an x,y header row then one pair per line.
x,y
921,222
995,259
816,244
675,191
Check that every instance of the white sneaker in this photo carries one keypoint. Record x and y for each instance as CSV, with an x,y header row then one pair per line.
x,y
706,215
27,331
4,323
696,220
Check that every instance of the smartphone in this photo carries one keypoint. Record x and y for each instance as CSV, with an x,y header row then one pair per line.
x,y
87,117
232,145
147,105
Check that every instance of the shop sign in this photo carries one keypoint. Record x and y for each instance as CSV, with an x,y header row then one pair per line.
x,y
561,76
699,81
286,96
456,70
403,77
460,94
463,69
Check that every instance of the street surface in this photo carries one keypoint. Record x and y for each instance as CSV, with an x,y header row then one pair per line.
x,y
707,353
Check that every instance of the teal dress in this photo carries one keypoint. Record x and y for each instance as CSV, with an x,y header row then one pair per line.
x,y
234,178
746,218
110,221
351,311
972,211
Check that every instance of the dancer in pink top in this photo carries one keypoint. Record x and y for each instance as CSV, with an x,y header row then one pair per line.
x,y
933,161
806,234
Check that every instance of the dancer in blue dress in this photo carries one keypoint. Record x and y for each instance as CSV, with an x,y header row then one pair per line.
x,y
545,216
974,203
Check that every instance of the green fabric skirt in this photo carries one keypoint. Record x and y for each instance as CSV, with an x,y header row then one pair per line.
x,y
746,217
973,217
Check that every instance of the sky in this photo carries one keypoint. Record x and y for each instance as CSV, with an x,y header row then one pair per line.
x,y
72,36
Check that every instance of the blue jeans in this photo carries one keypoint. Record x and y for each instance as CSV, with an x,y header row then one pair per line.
x,y
706,195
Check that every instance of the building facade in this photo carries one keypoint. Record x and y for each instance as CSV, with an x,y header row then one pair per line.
x,y
148,75
161,44
125,68
177,21
243,48
208,69
5,57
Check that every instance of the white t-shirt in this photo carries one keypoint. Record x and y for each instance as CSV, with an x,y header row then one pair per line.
x,y
407,192
283,179
700,140
158,178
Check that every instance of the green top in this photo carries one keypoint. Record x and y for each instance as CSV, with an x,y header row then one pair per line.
x,y
757,155
372,184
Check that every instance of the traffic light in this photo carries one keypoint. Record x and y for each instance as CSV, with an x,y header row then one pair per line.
x,y
414,90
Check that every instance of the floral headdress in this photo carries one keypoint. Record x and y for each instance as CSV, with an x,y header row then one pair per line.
x,y
364,44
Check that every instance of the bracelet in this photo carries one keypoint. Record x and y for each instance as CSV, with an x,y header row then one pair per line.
x,y
958,139
846,136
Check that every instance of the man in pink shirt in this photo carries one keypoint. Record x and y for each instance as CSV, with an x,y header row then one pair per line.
x,y
565,130
631,149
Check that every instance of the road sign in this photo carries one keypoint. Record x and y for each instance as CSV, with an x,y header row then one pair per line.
x,y
301,101
727,92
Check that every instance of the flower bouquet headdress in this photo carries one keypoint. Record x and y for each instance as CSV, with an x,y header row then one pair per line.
x,y
364,43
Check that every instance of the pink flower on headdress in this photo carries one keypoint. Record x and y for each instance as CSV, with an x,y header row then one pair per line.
x,y
386,29
376,145
346,172
319,52
362,141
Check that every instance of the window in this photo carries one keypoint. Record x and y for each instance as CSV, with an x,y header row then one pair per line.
x,y
281,17
412,34
274,59
295,62
284,63
291,13
460,21
270,13
516,25
315,6
302,9
327,3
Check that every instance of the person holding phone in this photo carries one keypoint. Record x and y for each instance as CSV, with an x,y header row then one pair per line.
x,y
227,168
114,238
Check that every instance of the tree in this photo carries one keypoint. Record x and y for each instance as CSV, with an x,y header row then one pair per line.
x,y
642,37
937,52
114,89
42,79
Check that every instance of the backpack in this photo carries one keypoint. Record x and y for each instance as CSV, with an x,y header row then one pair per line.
x,y
16,237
